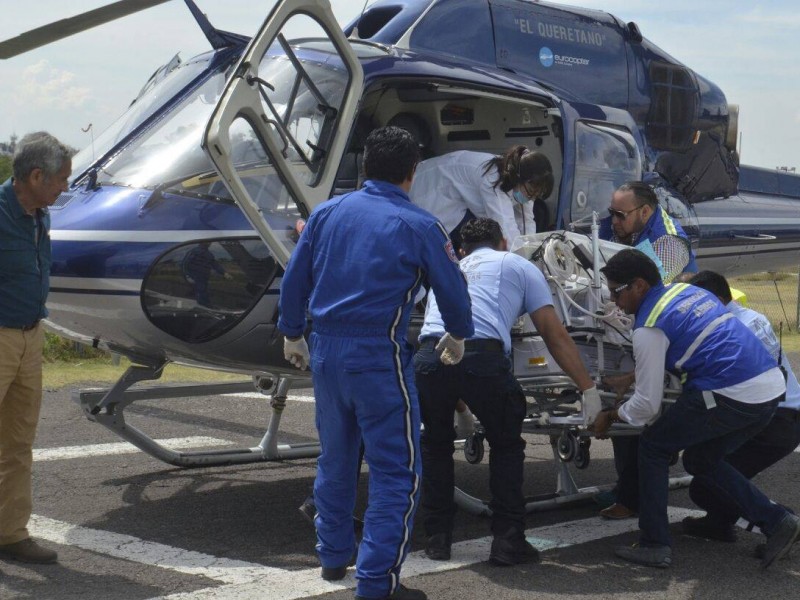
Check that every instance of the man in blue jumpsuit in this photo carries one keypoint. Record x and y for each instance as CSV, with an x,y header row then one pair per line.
x,y
731,388
503,286
358,265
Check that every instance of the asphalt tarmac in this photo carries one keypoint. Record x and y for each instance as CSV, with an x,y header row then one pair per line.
x,y
128,527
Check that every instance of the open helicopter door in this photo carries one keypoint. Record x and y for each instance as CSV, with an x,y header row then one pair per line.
x,y
281,125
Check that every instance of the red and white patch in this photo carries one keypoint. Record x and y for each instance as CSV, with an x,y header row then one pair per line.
x,y
448,248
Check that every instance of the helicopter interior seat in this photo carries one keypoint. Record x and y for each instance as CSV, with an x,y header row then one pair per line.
x,y
416,126
348,177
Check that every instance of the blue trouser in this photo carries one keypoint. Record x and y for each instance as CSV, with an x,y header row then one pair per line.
x,y
768,446
364,390
708,435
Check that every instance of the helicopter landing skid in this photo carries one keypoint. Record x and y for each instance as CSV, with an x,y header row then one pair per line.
x,y
107,407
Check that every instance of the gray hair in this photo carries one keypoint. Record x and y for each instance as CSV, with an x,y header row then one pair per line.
x,y
39,150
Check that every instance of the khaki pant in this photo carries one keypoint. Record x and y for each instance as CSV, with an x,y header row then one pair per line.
x,y
20,400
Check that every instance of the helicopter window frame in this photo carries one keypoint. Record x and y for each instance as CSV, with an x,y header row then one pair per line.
x,y
219,320
595,174
672,85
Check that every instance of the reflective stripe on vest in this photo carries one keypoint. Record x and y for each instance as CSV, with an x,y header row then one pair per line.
x,y
662,303
669,225
701,338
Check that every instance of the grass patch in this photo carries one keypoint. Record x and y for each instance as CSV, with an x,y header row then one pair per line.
x,y
73,373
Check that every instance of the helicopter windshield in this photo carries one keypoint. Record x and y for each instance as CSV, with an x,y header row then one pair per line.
x,y
169,154
140,110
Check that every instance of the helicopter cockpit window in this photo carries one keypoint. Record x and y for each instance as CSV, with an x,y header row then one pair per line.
x,y
141,109
606,158
198,291
305,102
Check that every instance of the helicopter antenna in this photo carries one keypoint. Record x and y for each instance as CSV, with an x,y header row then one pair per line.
x,y
355,35
90,129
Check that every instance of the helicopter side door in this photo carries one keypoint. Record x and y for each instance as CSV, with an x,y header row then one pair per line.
x,y
280,128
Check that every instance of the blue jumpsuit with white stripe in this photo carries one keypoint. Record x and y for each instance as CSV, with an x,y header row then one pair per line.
x,y
358,265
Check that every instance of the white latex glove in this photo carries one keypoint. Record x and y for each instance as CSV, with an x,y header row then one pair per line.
x,y
451,349
592,405
296,352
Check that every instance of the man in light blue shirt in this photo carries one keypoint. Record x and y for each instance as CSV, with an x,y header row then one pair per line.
x,y
777,440
502,287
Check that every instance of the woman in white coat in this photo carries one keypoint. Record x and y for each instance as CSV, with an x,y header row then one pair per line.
x,y
463,185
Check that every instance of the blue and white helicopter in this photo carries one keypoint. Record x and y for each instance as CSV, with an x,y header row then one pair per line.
x,y
170,244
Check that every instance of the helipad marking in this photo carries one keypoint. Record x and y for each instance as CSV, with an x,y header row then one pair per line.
x,y
150,553
293,585
293,397
67,452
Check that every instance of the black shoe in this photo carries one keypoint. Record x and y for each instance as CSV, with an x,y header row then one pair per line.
x,y
703,527
780,542
401,593
334,573
512,549
438,546
308,509
657,556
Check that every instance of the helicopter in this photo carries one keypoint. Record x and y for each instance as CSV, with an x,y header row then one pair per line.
x,y
170,244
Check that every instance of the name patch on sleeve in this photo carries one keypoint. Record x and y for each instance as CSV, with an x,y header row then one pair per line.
x,y
448,248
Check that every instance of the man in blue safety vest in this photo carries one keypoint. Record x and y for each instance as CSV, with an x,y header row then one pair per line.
x,y
731,388
636,219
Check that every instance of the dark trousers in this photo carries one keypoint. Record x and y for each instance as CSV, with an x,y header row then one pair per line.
x,y
626,461
776,440
485,382
707,436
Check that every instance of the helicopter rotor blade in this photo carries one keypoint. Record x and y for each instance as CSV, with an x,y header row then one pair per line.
x,y
30,40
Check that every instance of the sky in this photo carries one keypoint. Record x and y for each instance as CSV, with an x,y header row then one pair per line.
x,y
748,49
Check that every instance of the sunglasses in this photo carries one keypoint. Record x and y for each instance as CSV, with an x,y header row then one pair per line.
x,y
617,290
622,214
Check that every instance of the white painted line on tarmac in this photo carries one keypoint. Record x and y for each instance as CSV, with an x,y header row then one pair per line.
x,y
292,397
293,585
150,553
66,452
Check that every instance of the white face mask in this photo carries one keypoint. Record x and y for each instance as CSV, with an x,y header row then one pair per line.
x,y
520,197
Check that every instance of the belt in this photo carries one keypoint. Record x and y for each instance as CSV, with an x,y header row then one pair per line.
x,y
476,344
788,414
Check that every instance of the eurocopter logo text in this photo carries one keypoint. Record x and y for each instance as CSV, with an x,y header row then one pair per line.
x,y
547,58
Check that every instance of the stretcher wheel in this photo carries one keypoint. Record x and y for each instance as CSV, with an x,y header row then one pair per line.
x,y
566,446
473,448
582,457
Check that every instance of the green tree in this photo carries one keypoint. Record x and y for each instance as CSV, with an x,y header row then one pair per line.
x,y
5,168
